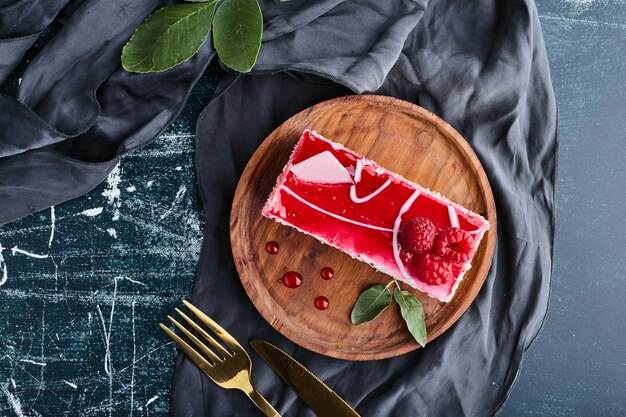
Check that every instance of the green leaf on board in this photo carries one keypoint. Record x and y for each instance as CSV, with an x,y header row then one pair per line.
x,y
237,31
168,37
413,314
370,304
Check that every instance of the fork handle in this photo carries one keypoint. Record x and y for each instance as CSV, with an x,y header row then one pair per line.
x,y
262,403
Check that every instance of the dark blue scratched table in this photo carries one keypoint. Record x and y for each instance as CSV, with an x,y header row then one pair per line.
x,y
84,284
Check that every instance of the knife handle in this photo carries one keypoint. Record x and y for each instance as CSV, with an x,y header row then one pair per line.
x,y
262,403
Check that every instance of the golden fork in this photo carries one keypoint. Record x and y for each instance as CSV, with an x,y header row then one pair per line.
x,y
228,369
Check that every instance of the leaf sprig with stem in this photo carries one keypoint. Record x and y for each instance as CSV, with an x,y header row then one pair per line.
x,y
373,301
174,34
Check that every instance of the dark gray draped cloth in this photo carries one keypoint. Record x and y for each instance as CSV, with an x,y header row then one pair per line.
x,y
479,64
77,110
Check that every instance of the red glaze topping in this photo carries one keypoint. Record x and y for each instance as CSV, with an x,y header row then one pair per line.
x,y
292,279
272,247
321,303
327,273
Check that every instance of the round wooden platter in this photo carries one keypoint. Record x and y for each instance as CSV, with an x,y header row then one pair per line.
x,y
401,137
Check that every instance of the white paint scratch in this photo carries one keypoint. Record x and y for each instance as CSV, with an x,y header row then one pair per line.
x,y
56,273
131,189
14,402
3,265
34,413
132,374
130,280
112,192
585,5
177,136
107,353
53,219
151,400
42,384
108,365
593,23
149,183
179,196
145,356
192,243
15,250
13,383
33,362
112,232
179,168
107,333
71,384
92,212
88,298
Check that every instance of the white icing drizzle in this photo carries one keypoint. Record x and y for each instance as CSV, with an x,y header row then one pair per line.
x,y
368,197
396,230
357,179
357,171
477,231
454,219
345,219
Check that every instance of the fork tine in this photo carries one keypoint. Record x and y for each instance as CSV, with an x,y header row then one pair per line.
x,y
198,359
204,348
215,328
220,349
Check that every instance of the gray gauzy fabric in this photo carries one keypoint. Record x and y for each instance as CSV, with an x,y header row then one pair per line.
x,y
21,22
479,64
77,111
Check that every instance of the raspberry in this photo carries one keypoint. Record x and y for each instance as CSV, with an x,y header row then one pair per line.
x,y
454,244
433,270
417,235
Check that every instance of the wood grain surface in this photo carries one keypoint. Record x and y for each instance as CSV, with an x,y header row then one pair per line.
x,y
401,137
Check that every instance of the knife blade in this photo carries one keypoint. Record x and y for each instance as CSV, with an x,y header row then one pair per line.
x,y
316,394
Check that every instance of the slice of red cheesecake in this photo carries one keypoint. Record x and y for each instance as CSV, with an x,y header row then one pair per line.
x,y
377,216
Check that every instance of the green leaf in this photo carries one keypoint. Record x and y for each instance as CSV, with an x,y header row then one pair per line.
x,y
413,314
237,31
370,304
168,37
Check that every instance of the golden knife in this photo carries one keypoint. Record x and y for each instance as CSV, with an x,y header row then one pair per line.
x,y
316,394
